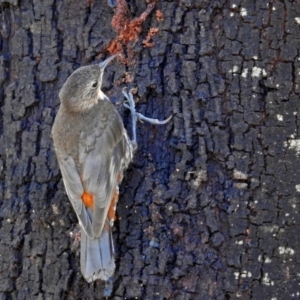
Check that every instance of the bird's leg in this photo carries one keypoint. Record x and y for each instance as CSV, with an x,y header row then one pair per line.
x,y
137,116
131,107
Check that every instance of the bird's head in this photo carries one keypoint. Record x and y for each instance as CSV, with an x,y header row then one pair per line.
x,y
82,90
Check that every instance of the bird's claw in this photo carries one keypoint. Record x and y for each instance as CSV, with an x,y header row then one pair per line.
x,y
153,121
135,115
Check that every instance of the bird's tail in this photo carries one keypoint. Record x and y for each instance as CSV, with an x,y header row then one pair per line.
x,y
97,256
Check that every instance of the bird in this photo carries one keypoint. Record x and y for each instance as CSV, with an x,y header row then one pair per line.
x,y
93,150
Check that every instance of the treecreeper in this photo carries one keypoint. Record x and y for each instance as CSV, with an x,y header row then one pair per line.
x,y
93,150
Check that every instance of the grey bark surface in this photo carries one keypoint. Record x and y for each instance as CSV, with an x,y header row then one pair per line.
x,y
209,209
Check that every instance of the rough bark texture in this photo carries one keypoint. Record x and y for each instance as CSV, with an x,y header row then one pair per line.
x,y
209,208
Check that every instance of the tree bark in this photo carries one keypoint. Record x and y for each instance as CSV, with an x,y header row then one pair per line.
x,y
209,207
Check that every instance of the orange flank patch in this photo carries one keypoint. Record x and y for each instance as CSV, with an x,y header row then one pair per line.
x,y
88,199
119,177
111,215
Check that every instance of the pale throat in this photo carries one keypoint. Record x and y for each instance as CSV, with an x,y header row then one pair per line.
x,y
101,96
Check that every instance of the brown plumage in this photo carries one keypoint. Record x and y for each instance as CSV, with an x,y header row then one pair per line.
x,y
93,150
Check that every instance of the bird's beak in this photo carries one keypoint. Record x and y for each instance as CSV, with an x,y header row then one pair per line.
x,y
104,63
102,66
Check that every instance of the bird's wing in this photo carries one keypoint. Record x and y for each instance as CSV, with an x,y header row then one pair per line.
x,y
74,189
103,154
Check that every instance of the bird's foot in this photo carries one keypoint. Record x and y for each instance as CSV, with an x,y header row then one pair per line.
x,y
138,116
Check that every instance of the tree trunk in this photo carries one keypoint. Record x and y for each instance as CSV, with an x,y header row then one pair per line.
x,y
209,207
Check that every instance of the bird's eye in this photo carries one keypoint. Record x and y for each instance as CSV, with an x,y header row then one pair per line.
x,y
95,83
